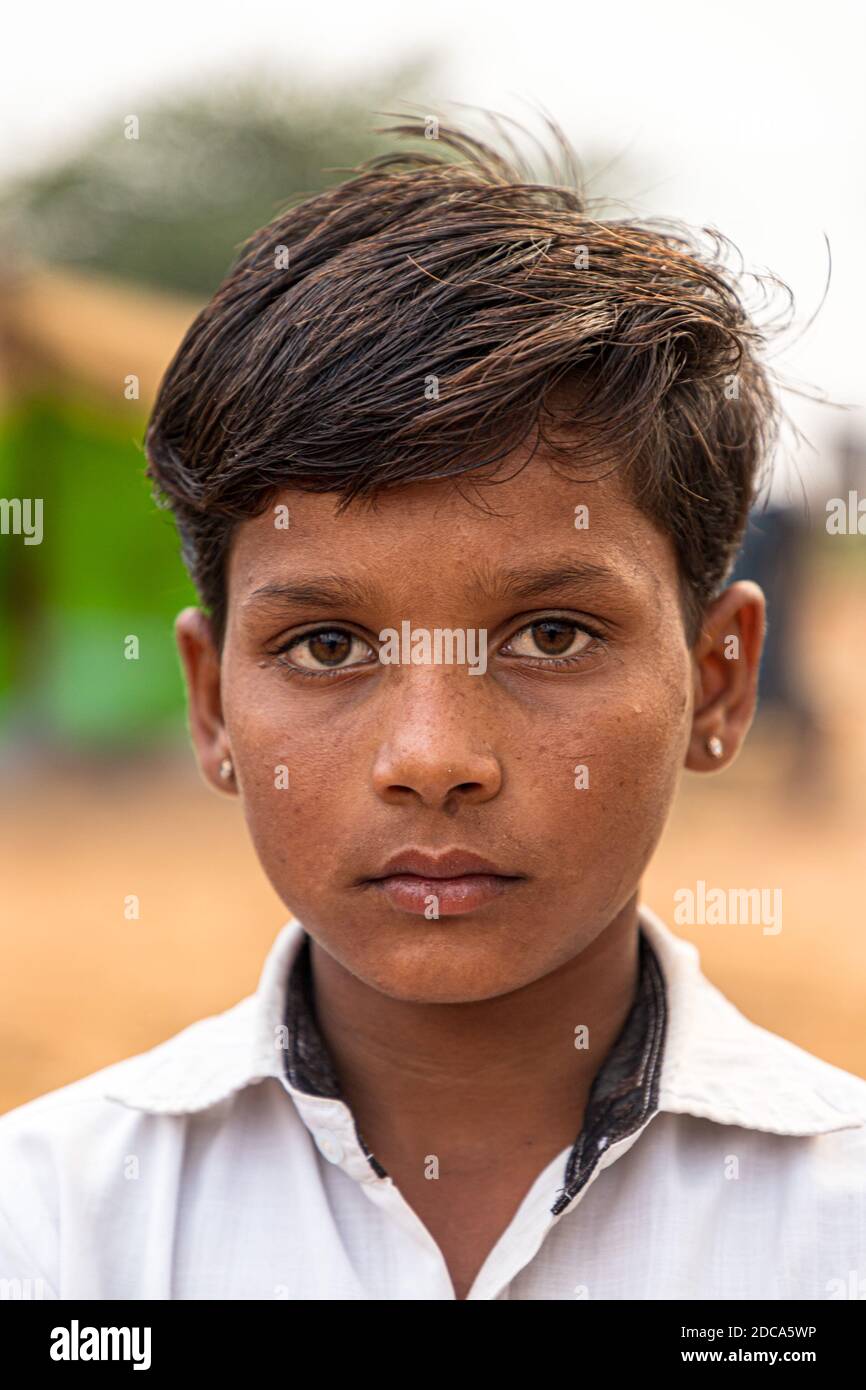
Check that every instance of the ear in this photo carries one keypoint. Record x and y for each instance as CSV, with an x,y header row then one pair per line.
x,y
201,666
727,658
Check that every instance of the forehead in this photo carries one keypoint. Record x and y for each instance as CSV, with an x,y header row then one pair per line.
x,y
451,533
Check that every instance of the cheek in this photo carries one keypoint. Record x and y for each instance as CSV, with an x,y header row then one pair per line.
x,y
295,772
601,775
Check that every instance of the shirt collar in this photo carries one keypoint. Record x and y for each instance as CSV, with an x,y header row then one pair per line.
x,y
720,1066
714,1064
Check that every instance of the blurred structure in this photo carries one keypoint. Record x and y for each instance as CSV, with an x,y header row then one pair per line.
x,y
71,334
80,359
775,554
785,547
851,458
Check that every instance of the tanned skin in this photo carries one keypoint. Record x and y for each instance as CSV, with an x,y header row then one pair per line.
x,y
455,1037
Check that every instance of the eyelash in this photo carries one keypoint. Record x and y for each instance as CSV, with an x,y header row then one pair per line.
x,y
544,663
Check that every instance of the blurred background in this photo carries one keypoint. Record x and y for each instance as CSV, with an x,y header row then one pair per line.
x,y
138,152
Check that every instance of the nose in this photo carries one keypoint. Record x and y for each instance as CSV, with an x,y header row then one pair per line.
x,y
437,756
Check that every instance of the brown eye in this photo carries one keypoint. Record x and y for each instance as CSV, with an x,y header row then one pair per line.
x,y
330,647
554,637
326,648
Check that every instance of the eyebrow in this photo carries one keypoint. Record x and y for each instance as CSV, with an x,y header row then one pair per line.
x,y
529,581
522,582
323,590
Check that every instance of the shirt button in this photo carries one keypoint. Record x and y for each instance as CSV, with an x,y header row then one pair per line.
x,y
329,1146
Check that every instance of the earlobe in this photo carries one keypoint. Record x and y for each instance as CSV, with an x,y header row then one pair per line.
x,y
200,659
727,660
227,770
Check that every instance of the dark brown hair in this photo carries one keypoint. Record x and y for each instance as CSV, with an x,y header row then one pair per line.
x,y
420,320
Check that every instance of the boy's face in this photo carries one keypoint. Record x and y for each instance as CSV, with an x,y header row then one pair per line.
x,y
557,761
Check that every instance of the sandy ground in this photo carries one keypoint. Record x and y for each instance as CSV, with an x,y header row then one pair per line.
x,y
81,987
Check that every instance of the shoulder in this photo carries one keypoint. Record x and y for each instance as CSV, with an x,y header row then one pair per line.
x,y
797,1123
720,1065
63,1152
746,1074
175,1076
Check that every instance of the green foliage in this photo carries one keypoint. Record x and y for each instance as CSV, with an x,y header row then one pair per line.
x,y
108,568
171,208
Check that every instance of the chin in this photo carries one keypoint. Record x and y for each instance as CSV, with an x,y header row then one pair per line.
x,y
443,970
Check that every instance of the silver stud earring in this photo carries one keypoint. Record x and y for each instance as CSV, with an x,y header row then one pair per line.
x,y
226,769
715,747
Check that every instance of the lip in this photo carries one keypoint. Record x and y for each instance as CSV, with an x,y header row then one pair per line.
x,y
457,881
454,863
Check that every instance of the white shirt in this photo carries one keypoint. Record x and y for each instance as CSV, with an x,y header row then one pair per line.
x,y
196,1170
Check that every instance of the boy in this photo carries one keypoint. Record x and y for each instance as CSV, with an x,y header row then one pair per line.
x,y
460,472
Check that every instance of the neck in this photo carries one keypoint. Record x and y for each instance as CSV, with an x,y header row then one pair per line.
x,y
478,1076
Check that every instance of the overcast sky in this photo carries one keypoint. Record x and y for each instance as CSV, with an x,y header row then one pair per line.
x,y
747,116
